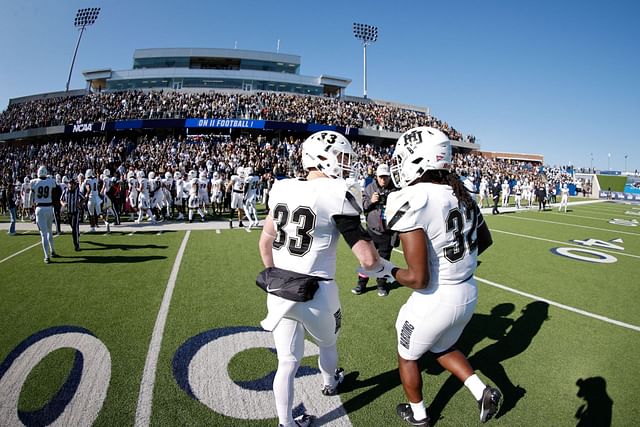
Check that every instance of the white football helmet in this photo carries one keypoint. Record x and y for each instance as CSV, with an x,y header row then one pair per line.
x,y
329,152
42,172
152,175
26,180
216,175
130,175
193,174
140,174
417,151
240,171
58,178
177,175
203,174
106,173
65,179
89,173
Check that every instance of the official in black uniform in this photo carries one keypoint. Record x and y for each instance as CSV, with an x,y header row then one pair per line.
x,y
72,199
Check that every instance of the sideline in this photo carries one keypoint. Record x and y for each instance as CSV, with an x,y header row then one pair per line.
x,y
553,303
145,397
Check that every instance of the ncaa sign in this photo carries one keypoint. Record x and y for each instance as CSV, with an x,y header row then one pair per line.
x,y
88,127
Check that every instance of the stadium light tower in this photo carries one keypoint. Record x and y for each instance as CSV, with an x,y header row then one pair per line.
x,y
367,34
84,18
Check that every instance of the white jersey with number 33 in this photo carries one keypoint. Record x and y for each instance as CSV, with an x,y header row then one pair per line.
x,y
449,228
306,235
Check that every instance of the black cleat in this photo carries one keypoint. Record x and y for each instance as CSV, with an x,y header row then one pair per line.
x,y
405,412
303,420
357,290
327,390
489,403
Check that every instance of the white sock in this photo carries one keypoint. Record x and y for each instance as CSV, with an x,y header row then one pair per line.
x,y
419,411
475,386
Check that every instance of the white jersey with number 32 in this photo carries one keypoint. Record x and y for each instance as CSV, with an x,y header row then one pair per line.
x,y
306,234
450,229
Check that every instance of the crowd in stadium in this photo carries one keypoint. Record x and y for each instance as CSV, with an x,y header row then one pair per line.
x,y
209,155
277,106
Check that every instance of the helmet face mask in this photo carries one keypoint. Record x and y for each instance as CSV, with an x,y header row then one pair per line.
x,y
329,152
417,151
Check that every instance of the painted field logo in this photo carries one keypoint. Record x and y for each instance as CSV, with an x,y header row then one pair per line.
x,y
79,401
200,367
591,255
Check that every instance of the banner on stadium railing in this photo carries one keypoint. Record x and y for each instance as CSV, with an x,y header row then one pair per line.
x,y
88,127
219,123
224,123
616,195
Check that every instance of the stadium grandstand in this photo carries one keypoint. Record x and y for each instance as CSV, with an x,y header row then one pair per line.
x,y
214,110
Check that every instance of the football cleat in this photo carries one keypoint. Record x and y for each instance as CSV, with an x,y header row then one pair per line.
x,y
46,261
357,290
489,403
303,420
382,292
328,390
405,412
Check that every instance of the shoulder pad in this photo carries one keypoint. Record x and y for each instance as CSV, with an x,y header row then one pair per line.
x,y
402,207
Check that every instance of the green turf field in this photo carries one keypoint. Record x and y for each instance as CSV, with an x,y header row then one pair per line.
x,y
557,306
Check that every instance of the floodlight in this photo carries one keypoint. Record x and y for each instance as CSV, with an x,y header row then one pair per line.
x,y
367,34
84,18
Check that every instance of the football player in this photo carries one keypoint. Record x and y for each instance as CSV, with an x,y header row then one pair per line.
x,y
93,198
25,196
442,232
506,192
132,184
167,189
250,196
203,190
300,234
194,192
564,198
42,187
217,194
144,201
181,194
155,195
236,187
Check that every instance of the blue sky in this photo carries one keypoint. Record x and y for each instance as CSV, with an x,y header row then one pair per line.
x,y
554,77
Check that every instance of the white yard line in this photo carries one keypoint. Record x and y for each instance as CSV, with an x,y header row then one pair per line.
x,y
562,306
570,225
563,243
145,397
23,250
572,215
553,303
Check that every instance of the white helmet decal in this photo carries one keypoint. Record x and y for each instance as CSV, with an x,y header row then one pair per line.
x,y
417,151
329,152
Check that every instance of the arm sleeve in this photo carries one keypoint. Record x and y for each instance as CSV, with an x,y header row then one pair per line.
x,y
351,229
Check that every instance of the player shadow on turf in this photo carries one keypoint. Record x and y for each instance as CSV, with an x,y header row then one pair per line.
x,y
516,340
598,407
121,246
481,326
116,259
